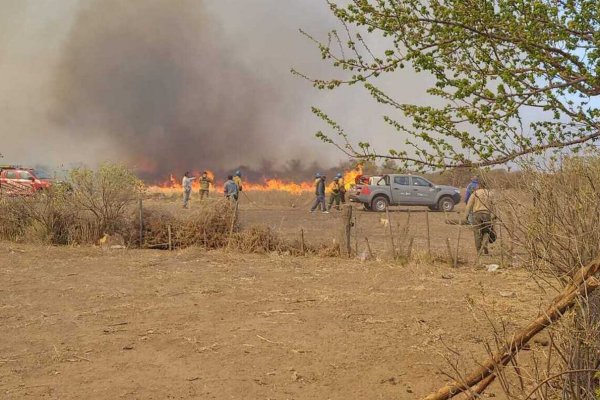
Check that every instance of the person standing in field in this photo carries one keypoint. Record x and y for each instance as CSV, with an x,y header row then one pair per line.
x,y
335,194
319,193
471,187
480,207
205,183
231,189
342,184
237,179
186,183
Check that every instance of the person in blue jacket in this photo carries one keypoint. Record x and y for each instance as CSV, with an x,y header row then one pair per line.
x,y
471,188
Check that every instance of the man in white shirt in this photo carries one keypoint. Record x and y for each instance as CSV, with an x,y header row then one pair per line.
x,y
186,183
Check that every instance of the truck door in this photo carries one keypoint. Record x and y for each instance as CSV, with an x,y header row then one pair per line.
x,y
26,180
10,183
422,191
400,190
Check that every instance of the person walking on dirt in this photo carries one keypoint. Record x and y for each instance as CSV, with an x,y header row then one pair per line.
x,y
205,183
320,194
231,189
186,183
335,194
480,206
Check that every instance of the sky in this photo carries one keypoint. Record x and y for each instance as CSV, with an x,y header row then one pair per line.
x,y
167,85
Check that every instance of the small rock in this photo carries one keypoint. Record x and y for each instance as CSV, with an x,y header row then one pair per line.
x,y
296,376
492,267
128,347
508,294
409,390
447,276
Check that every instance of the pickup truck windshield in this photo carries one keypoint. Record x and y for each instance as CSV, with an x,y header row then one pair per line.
x,y
41,174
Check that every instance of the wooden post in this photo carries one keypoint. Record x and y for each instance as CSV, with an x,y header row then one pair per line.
x,y
141,224
369,249
392,245
501,245
355,235
170,237
449,246
457,245
428,233
302,245
409,249
346,232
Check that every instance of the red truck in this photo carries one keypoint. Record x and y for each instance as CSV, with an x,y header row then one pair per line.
x,y
19,181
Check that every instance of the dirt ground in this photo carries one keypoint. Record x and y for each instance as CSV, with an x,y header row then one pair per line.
x,y
289,215
99,323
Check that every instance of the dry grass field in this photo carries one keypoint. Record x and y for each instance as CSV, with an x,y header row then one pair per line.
x,y
97,323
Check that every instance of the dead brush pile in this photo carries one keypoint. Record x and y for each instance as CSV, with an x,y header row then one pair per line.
x,y
213,226
209,227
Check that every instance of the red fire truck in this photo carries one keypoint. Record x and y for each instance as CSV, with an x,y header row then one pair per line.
x,y
18,181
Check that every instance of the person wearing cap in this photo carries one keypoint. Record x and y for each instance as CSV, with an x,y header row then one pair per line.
x,y
237,179
335,194
205,183
186,183
319,193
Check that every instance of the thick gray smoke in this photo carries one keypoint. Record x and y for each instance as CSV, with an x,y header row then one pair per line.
x,y
154,77
171,85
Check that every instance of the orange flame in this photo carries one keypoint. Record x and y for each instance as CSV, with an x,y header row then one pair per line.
x,y
173,186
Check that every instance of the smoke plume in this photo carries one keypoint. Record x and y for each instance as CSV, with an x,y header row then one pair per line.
x,y
154,78
172,85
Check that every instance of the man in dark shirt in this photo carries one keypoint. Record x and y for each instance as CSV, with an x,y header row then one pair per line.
x,y
320,194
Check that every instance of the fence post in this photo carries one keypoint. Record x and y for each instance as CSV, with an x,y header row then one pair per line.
x,y
170,240
346,231
428,233
392,245
141,223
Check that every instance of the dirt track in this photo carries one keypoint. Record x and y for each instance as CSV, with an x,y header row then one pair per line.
x,y
92,323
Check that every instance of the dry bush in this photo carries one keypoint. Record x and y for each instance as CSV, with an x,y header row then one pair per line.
x,y
213,225
105,195
209,226
46,217
553,220
79,212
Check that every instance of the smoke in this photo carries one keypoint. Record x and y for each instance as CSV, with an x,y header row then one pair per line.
x,y
154,78
169,85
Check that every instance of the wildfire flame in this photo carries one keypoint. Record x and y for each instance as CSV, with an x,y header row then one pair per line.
x,y
172,185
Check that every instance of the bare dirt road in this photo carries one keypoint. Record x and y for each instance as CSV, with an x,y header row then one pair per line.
x,y
141,324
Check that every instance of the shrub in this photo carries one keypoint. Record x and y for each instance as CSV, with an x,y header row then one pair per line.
x,y
104,195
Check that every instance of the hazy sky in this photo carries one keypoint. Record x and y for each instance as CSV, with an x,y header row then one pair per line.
x,y
163,84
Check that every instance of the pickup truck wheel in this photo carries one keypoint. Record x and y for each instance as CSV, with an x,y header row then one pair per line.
x,y
446,204
379,204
